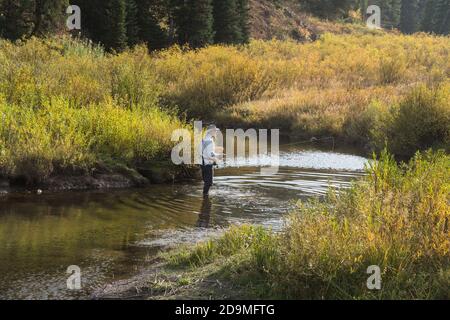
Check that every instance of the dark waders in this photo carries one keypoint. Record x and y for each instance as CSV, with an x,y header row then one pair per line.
x,y
207,172
207,175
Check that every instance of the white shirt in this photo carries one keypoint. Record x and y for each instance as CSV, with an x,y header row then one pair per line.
x,y
209,155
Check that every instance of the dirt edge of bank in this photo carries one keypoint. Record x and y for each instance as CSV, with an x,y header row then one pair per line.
x,y
120,177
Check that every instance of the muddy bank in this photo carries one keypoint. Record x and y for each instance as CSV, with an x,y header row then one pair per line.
x,y
141,286
117,177
161,282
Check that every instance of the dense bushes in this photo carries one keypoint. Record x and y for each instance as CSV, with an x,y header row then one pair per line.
x,y
66,106
215,78
203,82
359,88
419,120
36,142
422,120
78,71
396,218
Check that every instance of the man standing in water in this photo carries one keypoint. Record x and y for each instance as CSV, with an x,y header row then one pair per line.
x,y
209,158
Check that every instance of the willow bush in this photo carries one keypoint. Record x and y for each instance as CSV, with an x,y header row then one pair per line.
x,y
36,142
421,120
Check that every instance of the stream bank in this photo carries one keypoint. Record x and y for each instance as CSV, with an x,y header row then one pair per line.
x,y
102,178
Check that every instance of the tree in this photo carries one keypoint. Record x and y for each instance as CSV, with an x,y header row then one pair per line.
x,y
132,23
428,16
227,22
442,17
15,18
244,9
150,30
194,20
409,15
23,18
93,23
105,22
48,16
231,21
436,17
421,6
116,22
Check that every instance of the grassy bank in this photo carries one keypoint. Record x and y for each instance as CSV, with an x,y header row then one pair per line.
x,y
55,137
396,218
67,106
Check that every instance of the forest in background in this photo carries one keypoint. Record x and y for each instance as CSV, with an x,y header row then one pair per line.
x,y
118,24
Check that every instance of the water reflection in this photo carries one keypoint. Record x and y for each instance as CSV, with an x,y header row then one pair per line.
x,y
204,216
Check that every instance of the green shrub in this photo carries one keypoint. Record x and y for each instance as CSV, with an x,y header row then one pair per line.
x,y
36,142
395,218
421,121
134,80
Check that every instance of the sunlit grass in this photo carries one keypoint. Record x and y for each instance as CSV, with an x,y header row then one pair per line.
x,y
66,106
55,137
396,218
66,103
348,86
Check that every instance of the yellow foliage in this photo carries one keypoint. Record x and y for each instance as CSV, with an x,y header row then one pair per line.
x,y
348,86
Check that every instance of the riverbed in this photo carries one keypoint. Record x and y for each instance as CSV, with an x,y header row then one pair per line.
x,y
113,235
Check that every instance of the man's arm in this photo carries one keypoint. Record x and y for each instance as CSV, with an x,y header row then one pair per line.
x,y
210,153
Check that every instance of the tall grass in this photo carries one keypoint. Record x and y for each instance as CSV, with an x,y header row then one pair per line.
x,y
218,77
67,107
55,137
215,78
340,85
357,87
421,120
397,218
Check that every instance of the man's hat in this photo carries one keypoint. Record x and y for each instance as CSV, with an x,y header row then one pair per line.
x,y
212,128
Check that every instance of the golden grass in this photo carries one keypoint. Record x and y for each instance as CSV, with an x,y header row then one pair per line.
x,y
396,218
356,87
35,142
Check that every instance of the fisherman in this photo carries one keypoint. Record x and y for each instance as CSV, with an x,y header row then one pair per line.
x,y
209,158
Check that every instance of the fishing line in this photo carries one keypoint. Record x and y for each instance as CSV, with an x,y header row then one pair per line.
x,y
312,140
